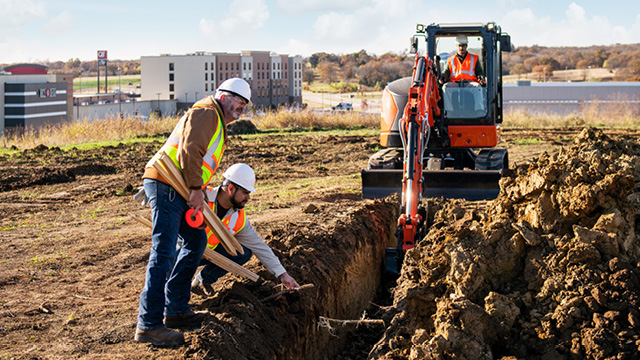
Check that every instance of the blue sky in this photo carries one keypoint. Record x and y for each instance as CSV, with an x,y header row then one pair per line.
x,y
38,30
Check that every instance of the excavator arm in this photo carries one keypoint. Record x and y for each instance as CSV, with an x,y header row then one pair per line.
x,y
415,128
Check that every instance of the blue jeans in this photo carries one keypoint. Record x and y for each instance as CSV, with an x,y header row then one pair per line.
x,y
210,273
168,296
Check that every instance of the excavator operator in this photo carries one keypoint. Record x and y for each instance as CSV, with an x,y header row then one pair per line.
x,y
463,69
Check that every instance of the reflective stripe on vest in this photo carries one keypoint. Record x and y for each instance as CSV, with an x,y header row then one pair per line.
x,y
464,71
234,222
211,158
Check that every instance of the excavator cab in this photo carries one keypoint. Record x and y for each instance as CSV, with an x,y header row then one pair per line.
x,y
461,158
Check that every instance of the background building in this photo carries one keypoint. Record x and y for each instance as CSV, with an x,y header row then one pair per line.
x,y
187,78
567,97
31,97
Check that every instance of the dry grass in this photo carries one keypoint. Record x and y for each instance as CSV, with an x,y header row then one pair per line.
x,y
115,129
85,131
619,114
284,119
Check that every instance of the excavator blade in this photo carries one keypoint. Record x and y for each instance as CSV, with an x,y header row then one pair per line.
x,y
456,184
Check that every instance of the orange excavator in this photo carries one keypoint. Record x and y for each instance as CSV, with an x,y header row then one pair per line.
x,y
439,137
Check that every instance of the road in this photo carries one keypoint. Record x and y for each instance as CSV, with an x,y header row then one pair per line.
x,y
324,101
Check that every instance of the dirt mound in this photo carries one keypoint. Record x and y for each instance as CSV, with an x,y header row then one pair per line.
x,y
241,127
548,270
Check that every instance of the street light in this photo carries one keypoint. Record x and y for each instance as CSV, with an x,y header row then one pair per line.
x,y
119,90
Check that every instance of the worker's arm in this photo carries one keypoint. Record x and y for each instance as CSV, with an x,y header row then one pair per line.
x,y
250,238
479,71
445,75
199,126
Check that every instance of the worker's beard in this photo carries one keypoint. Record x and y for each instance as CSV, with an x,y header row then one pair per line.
x,y
237,204
236,113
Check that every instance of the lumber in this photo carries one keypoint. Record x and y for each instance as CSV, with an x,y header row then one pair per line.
x,y
167,167
229,265
141,220
212,256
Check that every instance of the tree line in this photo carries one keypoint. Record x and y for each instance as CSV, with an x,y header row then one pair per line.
x,y
77,67
375,71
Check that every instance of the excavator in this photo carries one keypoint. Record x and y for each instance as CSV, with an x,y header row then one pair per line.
x,y
439,140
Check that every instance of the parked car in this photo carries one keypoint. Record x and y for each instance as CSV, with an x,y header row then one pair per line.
x,y
343,106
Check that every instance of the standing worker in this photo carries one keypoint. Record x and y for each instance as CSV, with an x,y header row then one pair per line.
x,y
228,201
196,146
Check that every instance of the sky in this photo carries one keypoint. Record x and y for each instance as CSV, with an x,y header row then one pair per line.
x,y
59,30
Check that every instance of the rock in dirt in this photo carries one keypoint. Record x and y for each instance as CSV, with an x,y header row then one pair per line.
x,y
548,270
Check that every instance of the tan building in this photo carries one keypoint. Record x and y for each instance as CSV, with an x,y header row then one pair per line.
x,y
188,78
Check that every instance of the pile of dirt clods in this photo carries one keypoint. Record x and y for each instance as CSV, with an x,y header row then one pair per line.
x,y
548,270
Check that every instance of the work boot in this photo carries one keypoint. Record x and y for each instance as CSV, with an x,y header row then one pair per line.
x,y
188,319
160,337
200,288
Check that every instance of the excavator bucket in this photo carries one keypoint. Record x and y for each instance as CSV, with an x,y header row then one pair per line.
x,y
457,184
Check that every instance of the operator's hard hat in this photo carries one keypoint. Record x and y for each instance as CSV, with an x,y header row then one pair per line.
x,y
237,86
241,175
462,39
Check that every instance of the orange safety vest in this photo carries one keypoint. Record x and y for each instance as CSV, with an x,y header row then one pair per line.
x,y
465,70
211,158
234,222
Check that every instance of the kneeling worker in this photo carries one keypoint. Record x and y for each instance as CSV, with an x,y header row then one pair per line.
x,y
228,201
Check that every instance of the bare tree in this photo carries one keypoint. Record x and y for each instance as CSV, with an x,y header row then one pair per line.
x,y
329,71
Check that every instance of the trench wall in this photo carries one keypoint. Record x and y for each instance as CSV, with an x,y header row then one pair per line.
x,y
344,261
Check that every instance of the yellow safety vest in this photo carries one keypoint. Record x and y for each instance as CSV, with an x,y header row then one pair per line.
x,y
211,159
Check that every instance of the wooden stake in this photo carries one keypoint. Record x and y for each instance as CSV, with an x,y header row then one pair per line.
x,y
212,256
142,220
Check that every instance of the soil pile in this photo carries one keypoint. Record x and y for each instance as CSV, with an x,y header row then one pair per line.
x,y
548,270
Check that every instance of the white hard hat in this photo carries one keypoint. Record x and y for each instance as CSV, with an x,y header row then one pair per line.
x,y
238,87
462,39
241,175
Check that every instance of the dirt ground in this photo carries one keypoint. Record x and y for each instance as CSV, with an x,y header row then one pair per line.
x,y
548,270
73,259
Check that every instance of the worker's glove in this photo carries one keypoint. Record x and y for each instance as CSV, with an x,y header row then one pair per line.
x,y
141,196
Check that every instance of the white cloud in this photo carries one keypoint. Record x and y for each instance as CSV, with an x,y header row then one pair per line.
x,y
577,28
296,47
294,7
242,16
15,14
373,27
60,24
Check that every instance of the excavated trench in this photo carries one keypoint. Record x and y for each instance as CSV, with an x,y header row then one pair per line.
x,y
341,253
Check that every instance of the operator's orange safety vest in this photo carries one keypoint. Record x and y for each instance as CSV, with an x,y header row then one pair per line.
x,y
211,158
465,70
234,222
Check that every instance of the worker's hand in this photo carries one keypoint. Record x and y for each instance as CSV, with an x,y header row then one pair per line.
x,y
482,82
288,281
196,199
